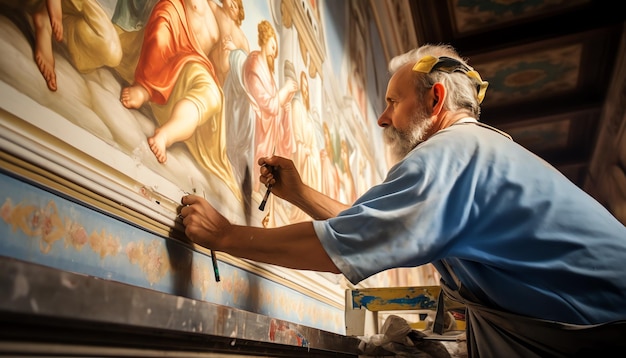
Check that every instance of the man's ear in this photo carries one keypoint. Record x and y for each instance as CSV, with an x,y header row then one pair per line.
x,y
439,94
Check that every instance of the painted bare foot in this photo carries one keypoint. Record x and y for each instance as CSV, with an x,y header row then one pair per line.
x,y
134,96
44,58
158,145
55,13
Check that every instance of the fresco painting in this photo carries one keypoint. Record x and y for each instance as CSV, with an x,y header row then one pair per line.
x,y
216,84
140,102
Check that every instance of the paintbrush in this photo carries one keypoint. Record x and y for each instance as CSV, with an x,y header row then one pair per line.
x,y
269,187
267,195
216,270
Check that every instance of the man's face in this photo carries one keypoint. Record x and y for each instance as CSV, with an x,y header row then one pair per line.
x,y
402,141
406,123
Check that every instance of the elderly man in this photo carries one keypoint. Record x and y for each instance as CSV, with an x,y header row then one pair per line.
x,y
538,263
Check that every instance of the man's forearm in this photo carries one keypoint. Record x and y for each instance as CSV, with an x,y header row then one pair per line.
x,y
295,246
318,205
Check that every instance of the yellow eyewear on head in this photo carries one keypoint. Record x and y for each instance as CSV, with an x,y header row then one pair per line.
x,y
427,64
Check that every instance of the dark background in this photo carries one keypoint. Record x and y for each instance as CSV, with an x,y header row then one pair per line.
x,y
549,67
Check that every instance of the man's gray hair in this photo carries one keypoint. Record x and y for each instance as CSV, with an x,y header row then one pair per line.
x,y
462,92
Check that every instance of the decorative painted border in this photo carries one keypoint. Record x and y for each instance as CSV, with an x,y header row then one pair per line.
x,y
43,227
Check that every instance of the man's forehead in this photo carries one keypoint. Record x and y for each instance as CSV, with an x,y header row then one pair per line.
x,y
401,79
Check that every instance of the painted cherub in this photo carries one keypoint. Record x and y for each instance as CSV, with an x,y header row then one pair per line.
x,y
176,78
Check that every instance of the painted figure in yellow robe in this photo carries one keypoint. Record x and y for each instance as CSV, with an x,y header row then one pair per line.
x,y
175,75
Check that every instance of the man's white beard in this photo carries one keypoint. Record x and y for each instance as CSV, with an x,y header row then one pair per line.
x,y
402,142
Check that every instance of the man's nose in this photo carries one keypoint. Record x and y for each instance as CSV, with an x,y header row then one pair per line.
x,y
384,120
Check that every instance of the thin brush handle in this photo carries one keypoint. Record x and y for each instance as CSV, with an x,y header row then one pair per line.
x,y
216,269
267,195
269,187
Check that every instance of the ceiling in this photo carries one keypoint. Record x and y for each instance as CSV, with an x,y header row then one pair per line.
x,y
548,63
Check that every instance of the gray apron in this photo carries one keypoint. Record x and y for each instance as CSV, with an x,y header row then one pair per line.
x,y
496,333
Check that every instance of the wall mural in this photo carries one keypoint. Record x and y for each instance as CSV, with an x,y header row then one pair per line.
x,y
142,101
197,91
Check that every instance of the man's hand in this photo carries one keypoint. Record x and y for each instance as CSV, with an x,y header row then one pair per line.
x,y
287,184
204,225
282,175
295,246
